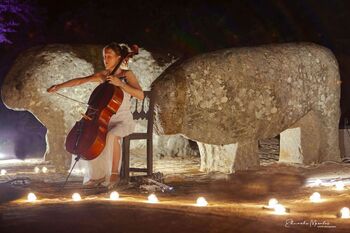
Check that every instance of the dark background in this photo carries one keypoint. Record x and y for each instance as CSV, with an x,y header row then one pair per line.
x,y
182,28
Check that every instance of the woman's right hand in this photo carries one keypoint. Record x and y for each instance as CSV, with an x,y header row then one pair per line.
x,y
53,88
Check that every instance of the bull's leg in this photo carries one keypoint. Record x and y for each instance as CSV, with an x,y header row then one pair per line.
x,y
246,156
312,139
55,151
329,143
229,158
301,142
327,108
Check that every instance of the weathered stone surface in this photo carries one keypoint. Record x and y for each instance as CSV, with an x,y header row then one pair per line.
x,y
241,95
38,68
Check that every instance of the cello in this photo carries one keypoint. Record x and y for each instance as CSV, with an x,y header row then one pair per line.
x,y
87,138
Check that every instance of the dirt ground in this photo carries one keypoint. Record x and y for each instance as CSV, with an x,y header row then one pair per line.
x,y
236,201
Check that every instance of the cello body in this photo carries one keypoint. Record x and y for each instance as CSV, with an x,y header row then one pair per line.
x,y
88,136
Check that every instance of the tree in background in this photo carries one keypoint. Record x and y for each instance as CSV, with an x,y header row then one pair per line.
x,y
17,16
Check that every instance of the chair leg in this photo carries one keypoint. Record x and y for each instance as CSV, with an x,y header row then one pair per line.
x,y
122,169
149,157
126,159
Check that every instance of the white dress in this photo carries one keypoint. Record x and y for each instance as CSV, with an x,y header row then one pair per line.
x,y
121,124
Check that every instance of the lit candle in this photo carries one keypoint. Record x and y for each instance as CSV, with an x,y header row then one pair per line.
x,y
315,197
272,203
152,198
339,185
114,196
44,170
31,197
3,172
76,197
345,212
201,201
280,209
36,170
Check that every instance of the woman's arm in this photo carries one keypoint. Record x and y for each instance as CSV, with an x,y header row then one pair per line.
x,y
98,77
132,87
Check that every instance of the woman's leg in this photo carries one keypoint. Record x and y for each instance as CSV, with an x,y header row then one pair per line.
x,y
116,160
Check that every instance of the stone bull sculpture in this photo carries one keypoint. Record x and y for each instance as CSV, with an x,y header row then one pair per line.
x,y
240,95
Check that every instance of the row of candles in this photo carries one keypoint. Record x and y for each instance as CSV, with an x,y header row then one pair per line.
x,y
273,203
201,201
114,196
315,198
43,170
36,170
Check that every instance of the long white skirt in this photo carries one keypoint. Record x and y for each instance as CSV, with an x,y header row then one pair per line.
x,y
121,125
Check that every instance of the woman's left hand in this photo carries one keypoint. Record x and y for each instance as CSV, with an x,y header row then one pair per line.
x,y
115,81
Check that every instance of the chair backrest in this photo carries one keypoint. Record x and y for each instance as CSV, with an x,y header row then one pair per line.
x,y
143,109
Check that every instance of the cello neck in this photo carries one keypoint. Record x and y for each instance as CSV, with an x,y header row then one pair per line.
x,y
131,52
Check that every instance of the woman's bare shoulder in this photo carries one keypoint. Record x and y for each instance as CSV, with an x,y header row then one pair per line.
x,y
99,76
129,73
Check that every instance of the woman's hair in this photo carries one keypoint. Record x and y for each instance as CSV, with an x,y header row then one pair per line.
x,y
119,49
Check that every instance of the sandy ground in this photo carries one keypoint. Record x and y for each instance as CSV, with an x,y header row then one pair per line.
x,y
235,201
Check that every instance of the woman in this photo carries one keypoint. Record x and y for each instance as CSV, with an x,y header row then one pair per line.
x,y
105,168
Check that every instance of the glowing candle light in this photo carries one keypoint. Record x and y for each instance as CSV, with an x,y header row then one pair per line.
x,y
36,170
76,197
3,172
339,185
272,203
44,170
280,209
345,212
315,197
114,196
31,197
152,198
201,201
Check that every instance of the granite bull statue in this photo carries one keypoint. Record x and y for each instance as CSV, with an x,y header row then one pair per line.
x,y
240,95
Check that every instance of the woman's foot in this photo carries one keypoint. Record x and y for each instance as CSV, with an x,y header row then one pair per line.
x,y
114,180
94,183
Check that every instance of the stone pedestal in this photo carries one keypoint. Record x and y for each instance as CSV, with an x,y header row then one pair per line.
x,y
228,158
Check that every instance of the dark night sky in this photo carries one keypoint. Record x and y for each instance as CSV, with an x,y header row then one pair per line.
x,y
183,28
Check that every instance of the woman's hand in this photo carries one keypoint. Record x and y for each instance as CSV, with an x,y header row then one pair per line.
x,y
53,88
115,80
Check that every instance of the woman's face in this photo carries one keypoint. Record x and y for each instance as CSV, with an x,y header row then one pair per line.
x,y
110,58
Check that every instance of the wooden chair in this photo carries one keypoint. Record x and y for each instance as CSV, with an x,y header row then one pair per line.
x,y
140,112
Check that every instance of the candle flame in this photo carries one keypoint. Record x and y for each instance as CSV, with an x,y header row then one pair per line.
x,y
280,209
315,197
3,172
76,197
272,203
201,201
345,212
152,198
31,197
114,196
